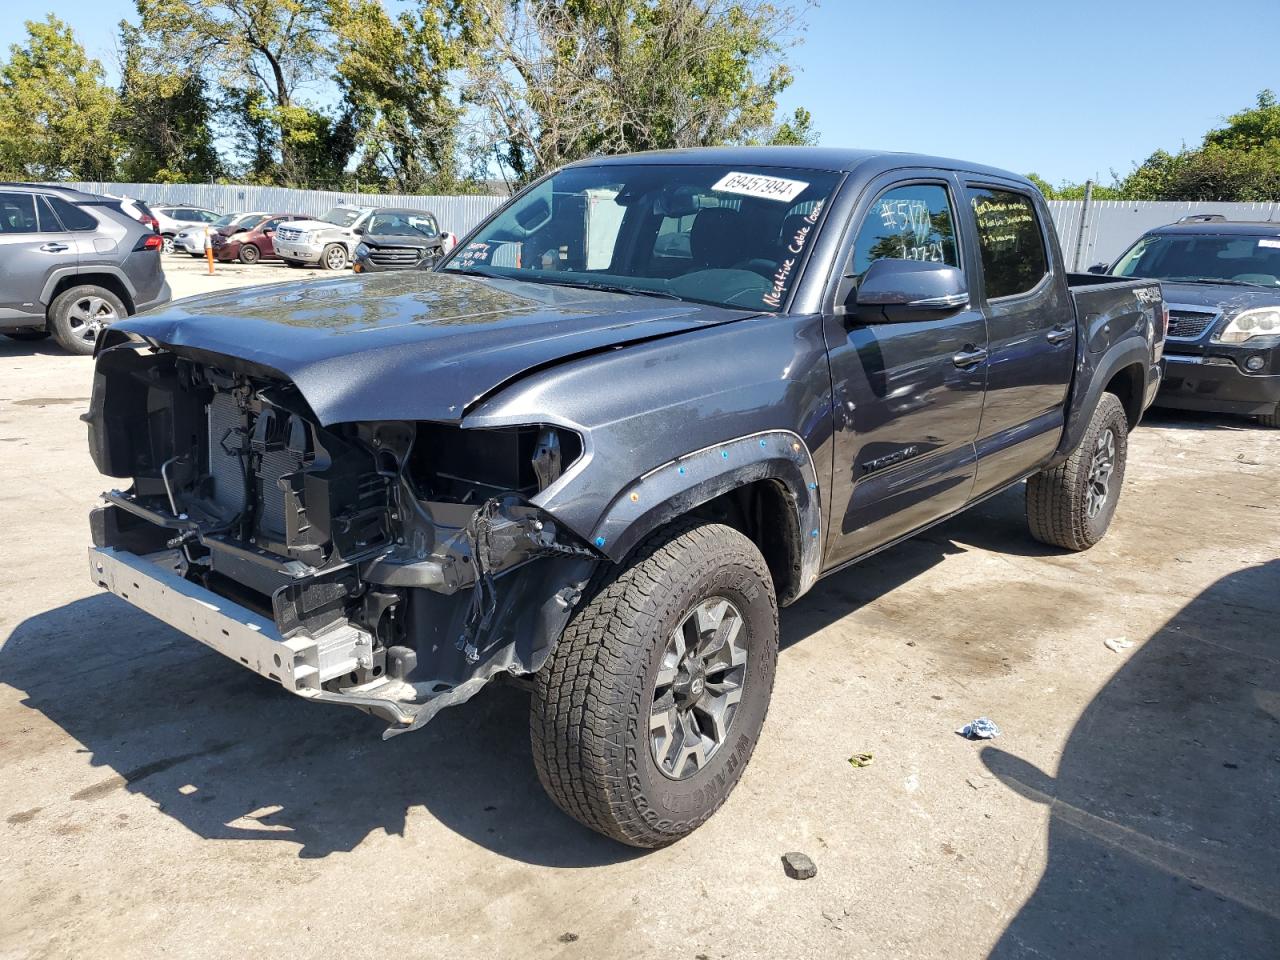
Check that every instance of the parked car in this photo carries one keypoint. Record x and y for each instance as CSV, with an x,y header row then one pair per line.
x,y
395,238
1222,283
71,263
329,242
191,239
253,239
173,220
574,453
139,211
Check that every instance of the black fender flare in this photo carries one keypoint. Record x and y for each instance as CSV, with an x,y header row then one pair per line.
x,y
56,275
1097,372
680,485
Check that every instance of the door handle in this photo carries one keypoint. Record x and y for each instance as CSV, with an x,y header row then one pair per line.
x,y
969,357
54,247
1058,335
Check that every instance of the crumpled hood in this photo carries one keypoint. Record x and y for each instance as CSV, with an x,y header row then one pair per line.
x,y
412,345
1228,298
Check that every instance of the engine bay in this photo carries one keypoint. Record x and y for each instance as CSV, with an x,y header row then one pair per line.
x,y
411,552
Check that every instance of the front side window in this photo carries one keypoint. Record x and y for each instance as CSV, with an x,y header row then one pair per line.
x,y
1010,241
713,233
18,213
912,222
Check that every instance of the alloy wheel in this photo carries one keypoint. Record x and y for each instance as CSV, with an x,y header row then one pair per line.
x,y
336,258
88,315
1103,466
698,688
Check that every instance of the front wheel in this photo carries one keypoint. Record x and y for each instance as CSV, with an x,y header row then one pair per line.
x,y
249,253
650,706
1271,419
168,245
1071,505
334,257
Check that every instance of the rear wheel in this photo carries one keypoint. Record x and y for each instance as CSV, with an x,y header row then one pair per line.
x,y
249,253
1271,419
650,706
78,314
334,257
1071,505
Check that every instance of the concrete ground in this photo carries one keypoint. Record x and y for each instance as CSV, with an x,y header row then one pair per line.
x,y
158,800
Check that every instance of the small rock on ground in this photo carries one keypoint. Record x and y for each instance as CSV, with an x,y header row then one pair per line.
x,y
798,866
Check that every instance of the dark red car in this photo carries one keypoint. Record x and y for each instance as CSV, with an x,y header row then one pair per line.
x,y
251,240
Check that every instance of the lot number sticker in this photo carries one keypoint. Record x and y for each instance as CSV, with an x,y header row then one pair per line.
x,y
755,185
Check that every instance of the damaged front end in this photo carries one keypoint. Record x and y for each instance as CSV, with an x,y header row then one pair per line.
x,y
391,566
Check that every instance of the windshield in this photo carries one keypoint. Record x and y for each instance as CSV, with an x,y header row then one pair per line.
x,y
249,222
402,223
1223,258
342,216
727,235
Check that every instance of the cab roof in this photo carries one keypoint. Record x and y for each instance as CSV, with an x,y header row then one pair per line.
x,y
837,159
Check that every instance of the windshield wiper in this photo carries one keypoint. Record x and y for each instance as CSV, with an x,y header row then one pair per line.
x,y
604,287
1223,281
476,272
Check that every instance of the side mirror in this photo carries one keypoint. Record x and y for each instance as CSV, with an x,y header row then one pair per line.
x,y
269,231
904,291
1100,268
358,231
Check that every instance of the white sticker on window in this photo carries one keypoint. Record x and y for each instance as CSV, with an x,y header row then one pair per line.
x,y
1268,243
755,185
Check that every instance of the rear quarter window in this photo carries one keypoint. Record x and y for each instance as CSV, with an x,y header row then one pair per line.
x,y
1010,241
72,217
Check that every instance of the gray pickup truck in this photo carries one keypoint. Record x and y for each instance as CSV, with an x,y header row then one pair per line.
x,y
649,401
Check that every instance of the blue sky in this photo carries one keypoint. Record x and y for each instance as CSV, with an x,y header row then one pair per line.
x,y
1069,89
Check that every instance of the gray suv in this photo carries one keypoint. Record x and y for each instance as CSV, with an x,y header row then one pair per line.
x,y
72,262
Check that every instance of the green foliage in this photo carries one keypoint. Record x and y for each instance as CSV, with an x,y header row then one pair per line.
x,y
327,92
56,109
164,120
557,80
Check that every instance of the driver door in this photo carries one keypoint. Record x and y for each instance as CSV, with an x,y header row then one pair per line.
x,y
907,395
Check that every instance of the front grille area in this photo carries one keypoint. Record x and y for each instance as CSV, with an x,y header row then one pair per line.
x,y
1189,324
290,234
395,256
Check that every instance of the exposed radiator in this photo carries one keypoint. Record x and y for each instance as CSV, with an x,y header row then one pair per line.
x,y
225,419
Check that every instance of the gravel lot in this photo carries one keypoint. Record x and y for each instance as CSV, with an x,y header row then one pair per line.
x,y
158,800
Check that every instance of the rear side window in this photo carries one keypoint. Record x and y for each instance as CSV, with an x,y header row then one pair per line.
x,y
72,217
913,222
1010,241
18,213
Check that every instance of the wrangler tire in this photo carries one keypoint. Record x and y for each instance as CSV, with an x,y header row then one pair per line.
x,y
606,704
1271,419
1071,505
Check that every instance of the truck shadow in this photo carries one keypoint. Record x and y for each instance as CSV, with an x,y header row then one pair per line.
x,y
1164,824
232,756
1197,420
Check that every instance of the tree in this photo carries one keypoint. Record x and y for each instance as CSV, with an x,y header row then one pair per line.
x,y
55,109
556,80
164,119
263,53
394,76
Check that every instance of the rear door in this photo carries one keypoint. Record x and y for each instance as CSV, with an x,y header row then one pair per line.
x,y
33,247
907,396
1031,323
